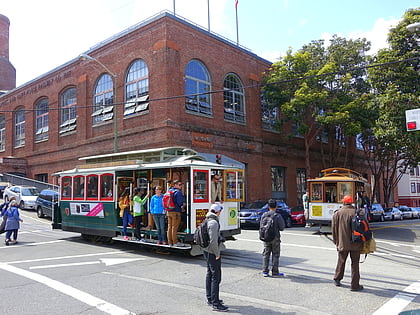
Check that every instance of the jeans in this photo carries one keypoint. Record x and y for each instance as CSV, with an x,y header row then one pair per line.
x,y
126,219
271,249
213,277
9,233
174,219
160,226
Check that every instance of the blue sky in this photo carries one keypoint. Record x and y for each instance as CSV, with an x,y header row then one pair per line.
x,y
45,34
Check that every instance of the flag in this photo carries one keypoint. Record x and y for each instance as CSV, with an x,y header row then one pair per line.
x,y
236,4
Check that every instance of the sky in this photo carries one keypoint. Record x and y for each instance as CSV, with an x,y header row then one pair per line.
x,y
44,34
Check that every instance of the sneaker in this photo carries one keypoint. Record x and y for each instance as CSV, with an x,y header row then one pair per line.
x,y
359,288
164,243
278,274
220,308
14,241
7,242
126,238
337,283
210,303
265,274
179,244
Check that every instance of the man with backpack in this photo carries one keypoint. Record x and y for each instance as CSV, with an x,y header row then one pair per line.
x,y
174,214
214,263
342,236
270,226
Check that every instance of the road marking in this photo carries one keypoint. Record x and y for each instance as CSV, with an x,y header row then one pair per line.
x,y
106,261
32,244
246,299
400,301
83,297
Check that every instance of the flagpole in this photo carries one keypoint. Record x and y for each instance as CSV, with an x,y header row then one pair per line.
x,y
237,31
208,13
174,7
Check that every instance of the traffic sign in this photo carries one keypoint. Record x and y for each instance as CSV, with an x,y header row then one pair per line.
x,y
412,117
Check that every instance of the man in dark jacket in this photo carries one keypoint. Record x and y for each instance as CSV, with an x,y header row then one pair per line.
x,y
272,248
174,216
341,233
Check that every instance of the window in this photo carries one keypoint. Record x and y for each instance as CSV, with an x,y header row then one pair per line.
x,y
234,185
413,187
43,177
359,141
418,188
41,112
316,192
278,178
79,187
201,186
233,98
197,86
19,128
107,186
68,110
269,114
137,88
2,133
92,187
103,99
66,187
301,184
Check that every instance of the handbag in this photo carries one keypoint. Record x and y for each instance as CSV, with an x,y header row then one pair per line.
x,y
368,248
3,224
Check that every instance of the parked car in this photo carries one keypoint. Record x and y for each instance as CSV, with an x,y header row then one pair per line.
x,y
250,214
46,202
25,195
377,212
298,215
416,212
393,213
406,211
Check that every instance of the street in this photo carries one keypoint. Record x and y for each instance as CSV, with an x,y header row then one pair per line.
x,y
55,272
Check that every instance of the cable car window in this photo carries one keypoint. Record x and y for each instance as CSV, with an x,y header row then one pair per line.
x,y
316,192
345,189
201,186
79,187
92,192
234,185
107,186
330,192
66,187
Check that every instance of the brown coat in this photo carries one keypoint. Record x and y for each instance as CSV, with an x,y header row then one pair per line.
x,y
341,229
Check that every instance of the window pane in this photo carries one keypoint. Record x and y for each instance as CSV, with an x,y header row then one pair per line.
x,y
103,97
197,84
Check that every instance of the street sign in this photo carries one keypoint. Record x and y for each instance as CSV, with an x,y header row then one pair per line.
x,y
412,117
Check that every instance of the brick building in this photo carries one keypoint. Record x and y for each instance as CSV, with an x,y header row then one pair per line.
x,y
67,113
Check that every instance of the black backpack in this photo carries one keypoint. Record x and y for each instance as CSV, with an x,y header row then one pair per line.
x,y
360,231
201,235
267,228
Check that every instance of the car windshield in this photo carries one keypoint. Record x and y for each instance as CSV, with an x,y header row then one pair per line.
x,y
30,192
297,209
255,205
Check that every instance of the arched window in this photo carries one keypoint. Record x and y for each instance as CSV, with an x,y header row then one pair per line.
x,y
2,133
68,110
197,81
19,128
233,98
136,88
103,99
41,112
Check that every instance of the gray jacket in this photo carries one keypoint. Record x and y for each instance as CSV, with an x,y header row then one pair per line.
x,y
214,233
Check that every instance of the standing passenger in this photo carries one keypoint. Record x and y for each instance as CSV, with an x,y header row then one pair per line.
x,y
174,216
138,211
214,262
216,189
12,223
341,233
272,248
124,205
158,212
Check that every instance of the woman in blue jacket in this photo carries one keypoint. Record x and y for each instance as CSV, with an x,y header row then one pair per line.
x,y
158,212
12,223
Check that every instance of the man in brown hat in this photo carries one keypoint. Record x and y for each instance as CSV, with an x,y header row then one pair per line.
x,y
341,233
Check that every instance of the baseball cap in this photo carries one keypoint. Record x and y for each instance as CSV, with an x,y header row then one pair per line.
x,y
348,199
216,207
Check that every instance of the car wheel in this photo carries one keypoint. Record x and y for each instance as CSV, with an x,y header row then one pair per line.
x,y
288,222
382,219
392,218
39,212
21,204
6,199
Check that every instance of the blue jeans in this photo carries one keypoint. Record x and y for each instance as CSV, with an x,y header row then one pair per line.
x,y
213,277
126,219
9,233
160,226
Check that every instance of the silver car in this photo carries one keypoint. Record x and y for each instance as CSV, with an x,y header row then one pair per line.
x,y
393,213
25,196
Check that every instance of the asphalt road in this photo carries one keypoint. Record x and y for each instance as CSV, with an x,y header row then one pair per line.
x,y
55,272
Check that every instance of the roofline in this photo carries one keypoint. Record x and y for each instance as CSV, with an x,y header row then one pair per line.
x,y
137,26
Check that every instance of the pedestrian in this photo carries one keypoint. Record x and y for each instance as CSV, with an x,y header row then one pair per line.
x,y
158,212
272,248
305,202
12,223
341,233
214,263
125,214
174,216
138,211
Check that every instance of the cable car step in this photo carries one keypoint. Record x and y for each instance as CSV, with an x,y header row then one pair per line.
x,y
150,242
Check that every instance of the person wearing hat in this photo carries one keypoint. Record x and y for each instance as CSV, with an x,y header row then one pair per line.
x,y
341,233
212,256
